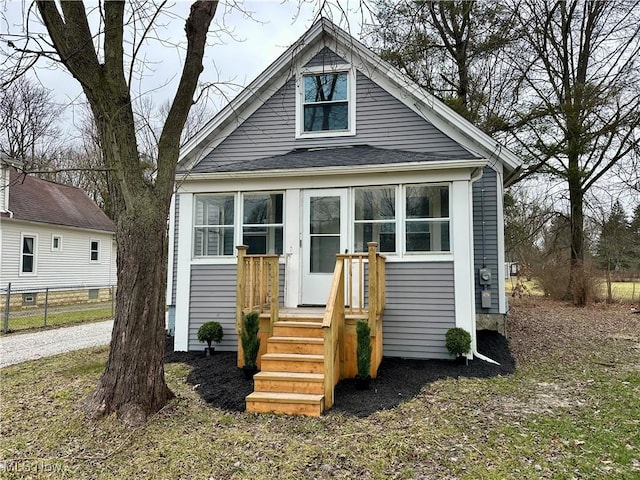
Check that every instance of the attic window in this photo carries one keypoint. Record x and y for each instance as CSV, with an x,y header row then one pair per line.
x,y
327,104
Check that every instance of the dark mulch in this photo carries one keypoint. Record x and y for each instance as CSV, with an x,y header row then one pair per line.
x,y
220,383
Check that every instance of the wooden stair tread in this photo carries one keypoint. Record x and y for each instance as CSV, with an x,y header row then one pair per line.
x,y
279,397
297,340
296,323
300,357
298,376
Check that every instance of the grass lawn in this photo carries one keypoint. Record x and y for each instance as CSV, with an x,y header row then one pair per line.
x,y
624,292
569,411
57,319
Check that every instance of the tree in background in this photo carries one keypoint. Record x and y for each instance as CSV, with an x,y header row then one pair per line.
x,y
456,50
103,61
580,96
28,124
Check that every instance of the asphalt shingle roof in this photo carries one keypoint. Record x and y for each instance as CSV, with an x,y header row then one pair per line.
x,y
332,157
37,200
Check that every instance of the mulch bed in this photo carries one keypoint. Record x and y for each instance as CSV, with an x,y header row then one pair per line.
x,y
221,384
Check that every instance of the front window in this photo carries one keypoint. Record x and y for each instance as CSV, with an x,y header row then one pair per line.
x,y
427,218
28,257
213,225
95,251
262,224
326,102
375,218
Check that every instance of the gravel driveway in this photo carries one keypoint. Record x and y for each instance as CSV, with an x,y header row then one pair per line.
x,y
19,348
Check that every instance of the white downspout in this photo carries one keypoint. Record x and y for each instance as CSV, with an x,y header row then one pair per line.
x,y
474,178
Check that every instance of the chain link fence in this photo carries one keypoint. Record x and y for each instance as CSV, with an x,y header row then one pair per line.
x,y
25,308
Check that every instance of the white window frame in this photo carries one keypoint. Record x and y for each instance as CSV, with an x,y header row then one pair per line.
x,y
264,225
233,225
396,220
53,242
403,205
34,255
91,260
351,101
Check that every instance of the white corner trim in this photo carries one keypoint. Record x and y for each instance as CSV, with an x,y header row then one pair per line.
x,y
291,253
183,283
502,296
170,259
462,227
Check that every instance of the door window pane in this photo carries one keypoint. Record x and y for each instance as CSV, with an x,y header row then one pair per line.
x,y
323,253
325,215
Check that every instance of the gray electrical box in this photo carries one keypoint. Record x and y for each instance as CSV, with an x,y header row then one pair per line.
x,y
485,276
486,298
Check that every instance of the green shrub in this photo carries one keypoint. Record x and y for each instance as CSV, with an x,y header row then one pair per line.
x,y
210,332
363,349
249,338
458,341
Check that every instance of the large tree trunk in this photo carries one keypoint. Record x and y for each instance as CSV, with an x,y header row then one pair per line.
x,y
577,285
133,384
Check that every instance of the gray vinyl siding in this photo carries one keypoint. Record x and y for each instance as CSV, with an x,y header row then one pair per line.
x,y
381,121
174,254
325,58
420,309
485,235
213,298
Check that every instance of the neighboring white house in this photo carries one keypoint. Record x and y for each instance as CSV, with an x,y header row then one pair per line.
x,y
52,236
328,149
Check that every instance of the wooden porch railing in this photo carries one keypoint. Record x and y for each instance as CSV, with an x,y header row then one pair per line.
x,y
257,285
349,276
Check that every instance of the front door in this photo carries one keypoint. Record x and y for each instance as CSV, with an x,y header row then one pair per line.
x,y
324,226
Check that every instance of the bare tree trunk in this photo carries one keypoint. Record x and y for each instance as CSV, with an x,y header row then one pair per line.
x,y
577,289
133,384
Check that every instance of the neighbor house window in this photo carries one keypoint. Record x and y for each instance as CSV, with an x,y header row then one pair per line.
x,y
326,102
375,218
94,251
56,243
427,218
28,256
213,224
262,224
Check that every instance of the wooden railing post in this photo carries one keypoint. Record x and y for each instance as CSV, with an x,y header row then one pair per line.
x,y
373,287
240,286
275,292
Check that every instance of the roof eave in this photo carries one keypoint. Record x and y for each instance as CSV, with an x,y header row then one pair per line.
x,y
339,170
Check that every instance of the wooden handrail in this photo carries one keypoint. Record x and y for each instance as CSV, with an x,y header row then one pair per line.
x,y
333,327
258,285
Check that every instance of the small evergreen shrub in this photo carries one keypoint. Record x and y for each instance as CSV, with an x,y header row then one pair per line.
x,y
249,338
363,349
210,332
458,341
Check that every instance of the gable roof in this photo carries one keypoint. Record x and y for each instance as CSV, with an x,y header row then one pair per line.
x,y
36,200
324,33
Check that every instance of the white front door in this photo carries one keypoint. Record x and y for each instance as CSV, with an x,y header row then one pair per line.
x,y
324,227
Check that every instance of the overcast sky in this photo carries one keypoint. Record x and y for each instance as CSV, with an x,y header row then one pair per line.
x,y
240,47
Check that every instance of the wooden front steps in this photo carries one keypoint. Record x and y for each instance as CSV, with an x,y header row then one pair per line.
x,y
292,377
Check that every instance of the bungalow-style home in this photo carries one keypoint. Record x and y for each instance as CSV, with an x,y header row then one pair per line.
x,y
331,189
54,237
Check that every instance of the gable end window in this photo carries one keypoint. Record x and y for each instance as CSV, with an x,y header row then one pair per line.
x,y
326,104
28,255
95,251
